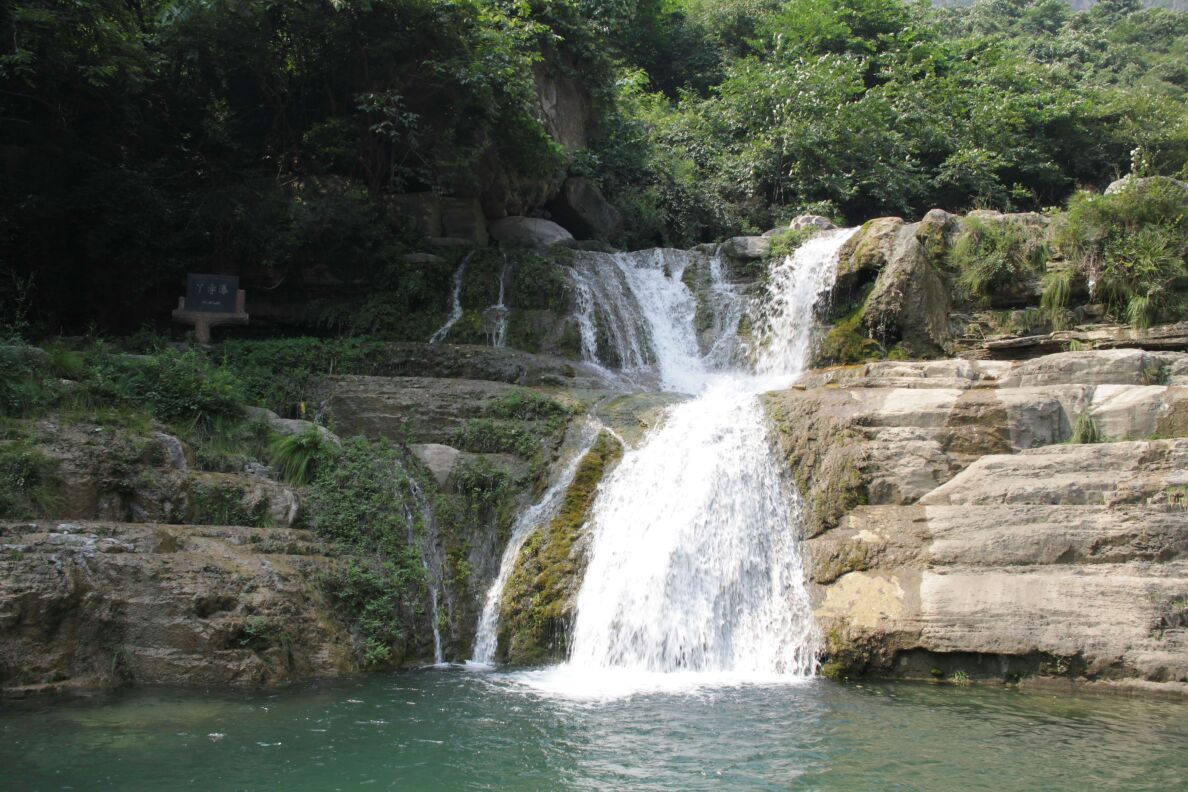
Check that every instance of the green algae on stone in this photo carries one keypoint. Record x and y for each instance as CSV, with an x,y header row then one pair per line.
x,y
537,606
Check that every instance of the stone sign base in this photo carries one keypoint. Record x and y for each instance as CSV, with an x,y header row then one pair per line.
x,y
203,321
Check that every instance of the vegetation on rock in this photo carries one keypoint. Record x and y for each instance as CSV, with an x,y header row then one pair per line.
x,y
537,606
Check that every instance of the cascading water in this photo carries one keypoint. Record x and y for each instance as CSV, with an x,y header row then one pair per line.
x,y
432,570
495,317
784,330
455,304
694,558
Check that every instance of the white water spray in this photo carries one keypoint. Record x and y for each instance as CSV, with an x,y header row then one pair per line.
x,y
455,304
495,317
695,571
432,571
784,332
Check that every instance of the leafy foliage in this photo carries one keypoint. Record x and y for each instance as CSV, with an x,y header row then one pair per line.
x,y
994,256
1133,247
362,498
26,480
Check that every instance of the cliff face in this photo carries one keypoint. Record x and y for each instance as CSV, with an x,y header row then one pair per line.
x,y
85,604
960,516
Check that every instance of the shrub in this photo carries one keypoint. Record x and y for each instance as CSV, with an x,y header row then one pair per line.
x,y
188,387
216,503
362,497
374,596
786,242
279,374
1054,299
485,436
1132,247
526,405
26,481
990,257
23,389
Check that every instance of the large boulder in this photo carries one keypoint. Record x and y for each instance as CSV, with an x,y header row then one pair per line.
x,y
1143,183
581,208
529,232
910,301
746,248
801,222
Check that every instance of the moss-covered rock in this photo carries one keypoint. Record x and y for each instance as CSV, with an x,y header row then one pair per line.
x,y
537,607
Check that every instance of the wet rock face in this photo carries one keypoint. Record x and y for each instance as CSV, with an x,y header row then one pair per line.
x,y
96,604
952,525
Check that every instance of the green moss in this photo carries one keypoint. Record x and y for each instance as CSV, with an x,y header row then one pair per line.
x,y
535,611
843,658
786,242
854,556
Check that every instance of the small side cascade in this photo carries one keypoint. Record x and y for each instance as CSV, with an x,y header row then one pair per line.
x,y
785,322
495,317
613,329
455,304
727,305
537,514
636,313
424,512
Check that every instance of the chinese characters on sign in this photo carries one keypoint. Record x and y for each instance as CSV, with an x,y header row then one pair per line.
x,y
211,293
211,300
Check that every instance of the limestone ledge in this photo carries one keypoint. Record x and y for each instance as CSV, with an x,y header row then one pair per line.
x,y
87,604
952,527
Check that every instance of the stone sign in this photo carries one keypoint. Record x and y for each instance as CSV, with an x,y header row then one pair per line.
x,y
211,293
211,300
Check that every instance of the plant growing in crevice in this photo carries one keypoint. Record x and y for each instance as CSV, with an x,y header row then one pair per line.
x,y
1085,430
1057,287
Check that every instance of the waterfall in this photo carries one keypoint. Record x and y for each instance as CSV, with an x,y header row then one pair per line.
x,y
455,304
784,331
694,561
635,313
495,317
432,571
533,517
